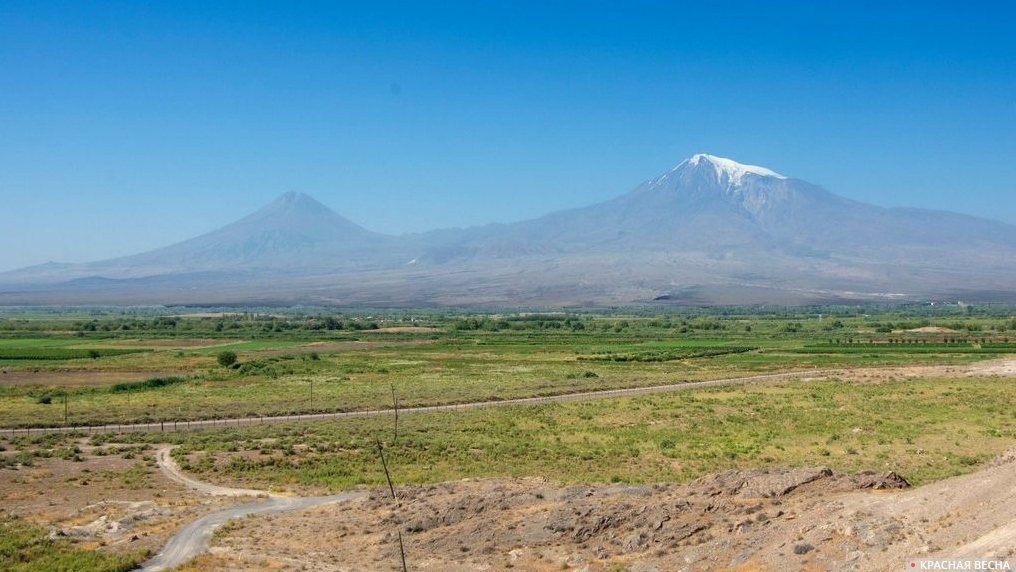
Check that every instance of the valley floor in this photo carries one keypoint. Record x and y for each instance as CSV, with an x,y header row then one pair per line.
x,y
116,497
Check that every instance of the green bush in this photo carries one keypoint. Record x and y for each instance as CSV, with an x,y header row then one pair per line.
x,y
226,358
151,383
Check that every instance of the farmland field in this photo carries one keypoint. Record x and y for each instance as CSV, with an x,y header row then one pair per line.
x,y
910,390
301,364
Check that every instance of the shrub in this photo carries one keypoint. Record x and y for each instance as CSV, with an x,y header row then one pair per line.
x,y
151,383
803,548
226,358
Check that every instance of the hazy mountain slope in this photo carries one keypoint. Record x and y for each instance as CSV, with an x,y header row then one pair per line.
x,y
293,234
699,205
708,231
710,221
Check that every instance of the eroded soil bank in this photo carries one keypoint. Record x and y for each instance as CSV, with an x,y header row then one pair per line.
x,y
761,519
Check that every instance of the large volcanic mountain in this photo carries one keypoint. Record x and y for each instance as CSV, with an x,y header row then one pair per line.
x,y
709,231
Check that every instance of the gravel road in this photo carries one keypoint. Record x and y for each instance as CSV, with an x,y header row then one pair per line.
x,y
193,538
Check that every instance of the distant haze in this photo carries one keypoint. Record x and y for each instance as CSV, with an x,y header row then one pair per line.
x,y
709,231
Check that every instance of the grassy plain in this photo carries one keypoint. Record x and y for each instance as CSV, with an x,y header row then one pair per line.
x,y
123,367
313,363
925,429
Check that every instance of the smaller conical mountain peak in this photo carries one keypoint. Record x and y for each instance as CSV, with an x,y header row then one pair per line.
x,y
296,208
296,199
298,214
733,171
294,196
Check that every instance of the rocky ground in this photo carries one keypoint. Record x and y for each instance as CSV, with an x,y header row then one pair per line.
x,y
757,519
744,520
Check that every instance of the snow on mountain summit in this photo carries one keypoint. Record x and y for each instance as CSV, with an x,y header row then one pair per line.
x,y
735,171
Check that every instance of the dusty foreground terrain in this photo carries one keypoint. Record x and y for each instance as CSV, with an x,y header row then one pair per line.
x,y
755,519
114,502
797,519
120,498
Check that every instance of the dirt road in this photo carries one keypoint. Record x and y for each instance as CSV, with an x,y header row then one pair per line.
x,y
170,426
173,472
193,538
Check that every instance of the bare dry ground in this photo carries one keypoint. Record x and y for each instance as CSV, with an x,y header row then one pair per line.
x,y
116,502
1000,367
78,378
790,519
932,330
759,519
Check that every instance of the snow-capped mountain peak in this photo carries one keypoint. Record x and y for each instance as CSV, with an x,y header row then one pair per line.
x,y
734,171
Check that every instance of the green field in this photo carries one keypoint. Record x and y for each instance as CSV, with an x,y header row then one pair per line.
x,y
107,367
925,429
111,367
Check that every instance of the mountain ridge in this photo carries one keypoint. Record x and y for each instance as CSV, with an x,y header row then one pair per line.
x,y
709,225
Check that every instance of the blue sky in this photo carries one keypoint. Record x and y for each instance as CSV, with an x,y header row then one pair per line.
x,y
127,126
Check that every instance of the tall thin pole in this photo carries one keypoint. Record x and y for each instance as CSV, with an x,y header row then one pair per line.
x,y
395,499
395,406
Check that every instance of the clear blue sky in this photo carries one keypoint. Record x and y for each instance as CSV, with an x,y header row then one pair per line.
x,y
127,126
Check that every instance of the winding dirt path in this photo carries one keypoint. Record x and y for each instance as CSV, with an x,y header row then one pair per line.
x,y
193,538
172,470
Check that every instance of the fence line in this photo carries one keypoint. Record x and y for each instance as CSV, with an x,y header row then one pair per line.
x,y
298,417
